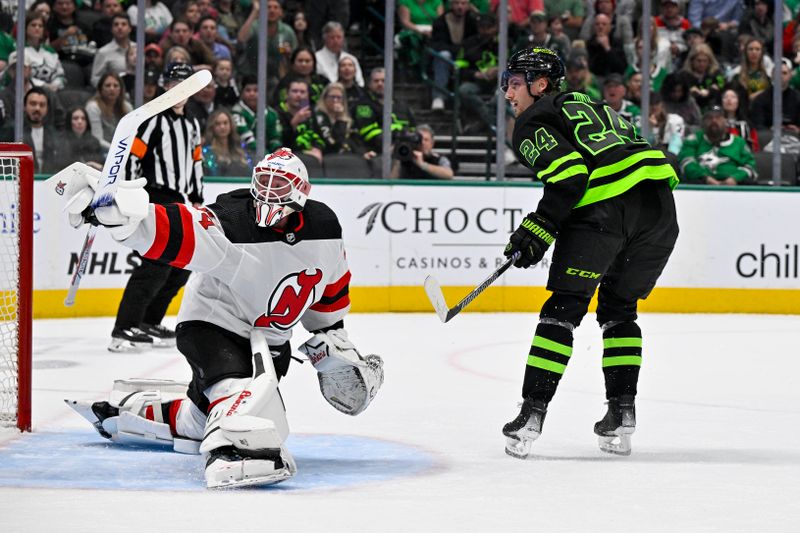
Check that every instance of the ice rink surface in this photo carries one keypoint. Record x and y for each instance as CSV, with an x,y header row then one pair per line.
x,y
717,446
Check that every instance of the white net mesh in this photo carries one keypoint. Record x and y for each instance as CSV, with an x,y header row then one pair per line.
x,y
9,289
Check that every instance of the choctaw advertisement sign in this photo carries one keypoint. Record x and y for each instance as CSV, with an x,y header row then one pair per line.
x,y
397,234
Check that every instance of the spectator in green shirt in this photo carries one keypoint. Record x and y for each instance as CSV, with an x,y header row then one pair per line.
x,y
713,156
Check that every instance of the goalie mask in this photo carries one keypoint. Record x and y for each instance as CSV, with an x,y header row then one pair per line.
x,y
279,186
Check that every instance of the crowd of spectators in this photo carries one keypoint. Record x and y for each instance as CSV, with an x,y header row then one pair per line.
x,y
709,59
711,64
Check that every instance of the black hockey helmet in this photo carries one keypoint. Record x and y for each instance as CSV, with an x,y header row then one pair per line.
x,y
535,63
177,72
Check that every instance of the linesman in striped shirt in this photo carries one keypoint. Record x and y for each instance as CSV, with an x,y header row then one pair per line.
x,y
608,207
166,151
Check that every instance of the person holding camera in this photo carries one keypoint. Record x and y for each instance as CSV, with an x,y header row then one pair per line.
x,y
414,157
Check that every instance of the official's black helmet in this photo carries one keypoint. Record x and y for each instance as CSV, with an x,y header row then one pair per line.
x,y
535,63
177,72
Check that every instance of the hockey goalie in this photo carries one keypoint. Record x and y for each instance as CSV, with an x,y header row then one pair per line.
x,y
264,260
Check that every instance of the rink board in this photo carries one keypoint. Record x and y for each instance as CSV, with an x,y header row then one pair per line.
x,y
738,250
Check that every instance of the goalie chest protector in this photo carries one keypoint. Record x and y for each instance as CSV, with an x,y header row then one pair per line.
x,y
246,275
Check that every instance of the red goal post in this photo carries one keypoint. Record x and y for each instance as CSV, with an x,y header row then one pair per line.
x,y
16,284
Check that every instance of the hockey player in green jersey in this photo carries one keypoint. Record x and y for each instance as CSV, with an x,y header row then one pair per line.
x,y
608,207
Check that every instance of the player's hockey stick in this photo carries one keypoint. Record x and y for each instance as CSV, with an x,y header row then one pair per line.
x,y
118,154
434,292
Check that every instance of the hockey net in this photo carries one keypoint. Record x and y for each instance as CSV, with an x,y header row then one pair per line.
x,y
16,284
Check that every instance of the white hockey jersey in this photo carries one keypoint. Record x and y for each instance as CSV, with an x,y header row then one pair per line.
x,y
247,276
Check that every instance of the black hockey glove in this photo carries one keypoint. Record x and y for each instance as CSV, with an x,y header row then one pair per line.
x,y
532,239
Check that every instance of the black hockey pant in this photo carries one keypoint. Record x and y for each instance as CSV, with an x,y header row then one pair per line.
x,y
622,245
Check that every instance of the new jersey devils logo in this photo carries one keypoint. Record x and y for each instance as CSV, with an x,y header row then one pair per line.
x,y
281,153
290,298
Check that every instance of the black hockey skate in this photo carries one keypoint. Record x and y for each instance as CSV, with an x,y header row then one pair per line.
x,y
526,428
129,340
163,337
96,413
617,426
229,467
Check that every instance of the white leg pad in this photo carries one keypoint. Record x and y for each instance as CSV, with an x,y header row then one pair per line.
x,y
168,388
225,427
251,433
130,398
253,417
245,432
133,429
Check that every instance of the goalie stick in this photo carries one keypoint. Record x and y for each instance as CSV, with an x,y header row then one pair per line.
x,y
118,154
434,292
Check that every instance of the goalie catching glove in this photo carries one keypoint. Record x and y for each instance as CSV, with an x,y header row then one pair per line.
x,y
532,239
77,184
347,380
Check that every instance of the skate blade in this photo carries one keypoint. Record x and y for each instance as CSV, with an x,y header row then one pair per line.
x,y
616,444
85,410
232,476
262,481
518,449
164,343
122,346
520,444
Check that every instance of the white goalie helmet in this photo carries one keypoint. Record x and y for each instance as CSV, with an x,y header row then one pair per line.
x,y
280,187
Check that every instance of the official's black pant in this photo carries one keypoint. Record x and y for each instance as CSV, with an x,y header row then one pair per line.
x,y
215,353
148,293
621,245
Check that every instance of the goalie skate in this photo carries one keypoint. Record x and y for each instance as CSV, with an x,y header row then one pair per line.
x,y
615,429
230,467
96,417
525,428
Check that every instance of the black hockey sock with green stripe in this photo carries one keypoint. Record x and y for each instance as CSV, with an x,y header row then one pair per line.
x,y
622,358
548,357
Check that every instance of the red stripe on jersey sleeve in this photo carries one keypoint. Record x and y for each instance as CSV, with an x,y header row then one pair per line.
x,y
186,250
341,303
334,288
162,234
